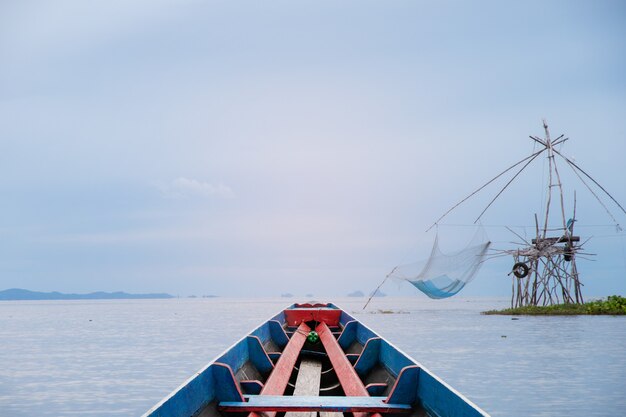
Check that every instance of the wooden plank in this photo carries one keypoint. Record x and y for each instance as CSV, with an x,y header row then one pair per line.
x,y
308,380
350,381
279,403
553,240
307,383
330,414
348,378
279,378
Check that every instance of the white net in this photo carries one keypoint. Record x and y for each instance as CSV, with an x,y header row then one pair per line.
x,y
444,275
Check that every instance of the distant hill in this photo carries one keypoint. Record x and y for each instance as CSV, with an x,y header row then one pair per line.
x,y
356,294
20,294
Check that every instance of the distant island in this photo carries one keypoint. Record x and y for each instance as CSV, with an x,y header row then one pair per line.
x,y
357,293
20,294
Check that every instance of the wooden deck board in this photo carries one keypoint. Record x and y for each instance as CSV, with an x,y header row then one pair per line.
x,y
307,383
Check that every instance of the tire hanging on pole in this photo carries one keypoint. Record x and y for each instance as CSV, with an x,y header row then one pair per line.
x,y
520,270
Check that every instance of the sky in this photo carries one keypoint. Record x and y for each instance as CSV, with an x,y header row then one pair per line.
x,y
244,148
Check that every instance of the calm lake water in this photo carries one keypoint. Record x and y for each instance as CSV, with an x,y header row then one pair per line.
x,y
118,358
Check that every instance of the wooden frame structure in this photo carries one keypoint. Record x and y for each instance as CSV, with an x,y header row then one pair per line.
x,y
544,270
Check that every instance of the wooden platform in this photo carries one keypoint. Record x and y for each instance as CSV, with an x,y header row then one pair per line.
x,y
307,383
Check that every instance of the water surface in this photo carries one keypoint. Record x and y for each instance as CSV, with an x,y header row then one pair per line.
x,y
119,357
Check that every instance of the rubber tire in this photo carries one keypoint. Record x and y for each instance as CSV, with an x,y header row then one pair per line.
x,y
524,270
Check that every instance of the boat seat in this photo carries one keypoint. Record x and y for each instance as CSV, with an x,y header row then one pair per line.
x,y
380,375
258,356
348,335
352,339
249,359
278,403
227,389
277,341
404,391
368,357
256,369
248,372
270,346
278,336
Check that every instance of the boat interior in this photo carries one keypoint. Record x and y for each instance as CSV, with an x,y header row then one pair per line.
x,y
313,350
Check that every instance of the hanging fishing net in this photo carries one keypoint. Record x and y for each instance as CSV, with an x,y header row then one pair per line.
x,y
444,275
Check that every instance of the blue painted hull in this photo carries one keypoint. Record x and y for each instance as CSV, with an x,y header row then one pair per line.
x,y
250,369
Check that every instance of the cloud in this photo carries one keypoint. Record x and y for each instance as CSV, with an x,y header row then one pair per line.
x,y
183,187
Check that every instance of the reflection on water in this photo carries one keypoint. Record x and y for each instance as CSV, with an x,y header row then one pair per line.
x,y
118,358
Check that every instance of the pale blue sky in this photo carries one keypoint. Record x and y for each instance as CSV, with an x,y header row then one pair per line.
x,y
254,148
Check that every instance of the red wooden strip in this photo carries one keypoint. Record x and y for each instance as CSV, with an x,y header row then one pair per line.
x,y
279,378
350,381
296,316
348,378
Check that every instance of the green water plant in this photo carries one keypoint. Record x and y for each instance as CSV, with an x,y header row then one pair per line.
x,y
614,305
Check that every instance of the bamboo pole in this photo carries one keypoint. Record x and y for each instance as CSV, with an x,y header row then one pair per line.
x,y
550,158
534,155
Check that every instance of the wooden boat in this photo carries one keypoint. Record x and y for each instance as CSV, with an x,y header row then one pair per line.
x,y
309,359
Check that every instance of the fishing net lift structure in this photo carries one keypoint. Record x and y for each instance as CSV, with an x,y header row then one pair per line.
x,y
544,270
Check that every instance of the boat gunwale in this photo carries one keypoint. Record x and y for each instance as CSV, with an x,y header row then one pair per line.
x,y
434,376
211,362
